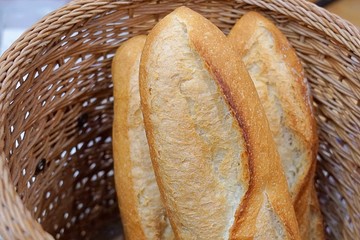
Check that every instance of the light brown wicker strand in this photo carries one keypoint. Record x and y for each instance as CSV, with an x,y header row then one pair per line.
x,y
322,20
27,228
19,222
328,46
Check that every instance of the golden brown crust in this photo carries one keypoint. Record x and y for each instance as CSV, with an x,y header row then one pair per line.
x,y
272,51
142,213
148,124
317,225
266,181
121,71
263,157
295,99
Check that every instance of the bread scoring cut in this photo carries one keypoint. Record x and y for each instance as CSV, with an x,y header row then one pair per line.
x,y
210,143
284,93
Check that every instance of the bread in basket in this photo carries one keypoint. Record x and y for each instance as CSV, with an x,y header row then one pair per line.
x,y
56,173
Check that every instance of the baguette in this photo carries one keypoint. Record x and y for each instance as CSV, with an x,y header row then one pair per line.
x,y
215,161
316,220
142,213
279,79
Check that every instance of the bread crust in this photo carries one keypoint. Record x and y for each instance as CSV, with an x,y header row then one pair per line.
x,y
142,213
262,176
276,70
317,224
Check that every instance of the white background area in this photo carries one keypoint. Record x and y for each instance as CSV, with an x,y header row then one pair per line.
x,y
16,16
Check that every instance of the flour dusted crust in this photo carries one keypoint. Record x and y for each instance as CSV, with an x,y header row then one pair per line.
x,y
142,213
214,157
283,90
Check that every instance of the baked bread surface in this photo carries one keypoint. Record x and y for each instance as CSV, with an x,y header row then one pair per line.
x,y
142,212
214,157
284,93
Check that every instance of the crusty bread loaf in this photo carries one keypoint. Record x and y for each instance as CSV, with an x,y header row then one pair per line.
x,y
316,219
142,213
279,79
214,157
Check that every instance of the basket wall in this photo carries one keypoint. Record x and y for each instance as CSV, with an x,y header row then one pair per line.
x,y
56,112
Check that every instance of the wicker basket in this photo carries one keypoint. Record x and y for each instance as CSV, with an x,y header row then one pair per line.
x,y
56,174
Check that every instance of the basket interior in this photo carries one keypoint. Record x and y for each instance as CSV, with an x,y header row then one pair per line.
x,y
59,114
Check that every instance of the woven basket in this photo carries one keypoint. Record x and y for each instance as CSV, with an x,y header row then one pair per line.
x,y
56,173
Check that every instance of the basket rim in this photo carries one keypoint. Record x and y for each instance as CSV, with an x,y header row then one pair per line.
x,y
320,18
53,24
15,55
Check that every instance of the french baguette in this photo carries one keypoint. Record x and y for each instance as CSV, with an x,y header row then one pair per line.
x,y
284,93
215,161
142,213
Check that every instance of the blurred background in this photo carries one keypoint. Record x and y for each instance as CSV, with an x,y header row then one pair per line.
x,y
18,15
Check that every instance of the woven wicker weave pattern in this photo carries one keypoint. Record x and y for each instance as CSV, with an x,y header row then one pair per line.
x,y
56,111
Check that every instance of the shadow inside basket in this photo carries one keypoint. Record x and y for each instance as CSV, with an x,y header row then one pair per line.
x,y
58,138
59,113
